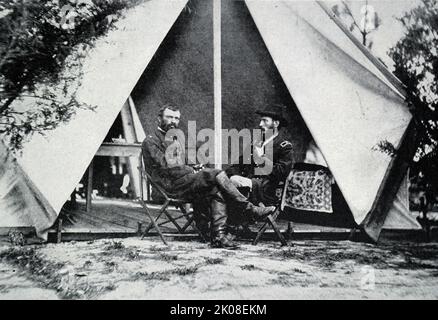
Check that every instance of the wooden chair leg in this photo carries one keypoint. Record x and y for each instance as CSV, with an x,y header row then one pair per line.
x,y
277,230
168,221
289,231
172,219
139,227
160,213
262,230
153,223
181,230
190,218
260,233
270,221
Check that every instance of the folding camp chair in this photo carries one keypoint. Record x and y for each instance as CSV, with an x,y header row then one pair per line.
x,y
270,220
168,201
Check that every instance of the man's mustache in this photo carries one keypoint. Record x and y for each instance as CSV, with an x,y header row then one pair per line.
x,y
169,126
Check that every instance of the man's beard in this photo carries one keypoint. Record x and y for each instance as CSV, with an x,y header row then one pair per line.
x,y
265,129
167,127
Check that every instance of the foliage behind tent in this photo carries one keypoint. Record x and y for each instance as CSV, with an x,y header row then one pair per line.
x,y
38,42
416,64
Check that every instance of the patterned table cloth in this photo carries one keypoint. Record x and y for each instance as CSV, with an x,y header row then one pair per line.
x,y
309,190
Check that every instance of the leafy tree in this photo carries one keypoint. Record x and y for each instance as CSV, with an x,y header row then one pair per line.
x,y
416,65
368,23
42,46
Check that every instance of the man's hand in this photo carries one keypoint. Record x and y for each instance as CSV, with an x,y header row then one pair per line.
x,y
258,151
198,167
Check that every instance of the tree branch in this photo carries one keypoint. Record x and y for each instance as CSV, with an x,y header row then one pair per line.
x,y
350,14
11,99
7,54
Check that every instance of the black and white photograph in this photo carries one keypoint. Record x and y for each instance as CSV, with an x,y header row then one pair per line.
x,y
218,150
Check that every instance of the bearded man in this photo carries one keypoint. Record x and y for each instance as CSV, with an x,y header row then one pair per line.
x,y
263,187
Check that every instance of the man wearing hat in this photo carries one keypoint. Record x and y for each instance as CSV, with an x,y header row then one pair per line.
x,y
263,187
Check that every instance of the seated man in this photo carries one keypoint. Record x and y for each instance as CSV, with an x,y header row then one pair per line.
x,y
263,187
179,180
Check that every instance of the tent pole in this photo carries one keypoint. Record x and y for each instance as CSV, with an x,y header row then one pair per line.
x,y
89,186
131,137
217,84
379,65
140,136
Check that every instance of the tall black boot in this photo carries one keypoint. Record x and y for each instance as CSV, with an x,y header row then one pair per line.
x,y
230,191
202,220
218,224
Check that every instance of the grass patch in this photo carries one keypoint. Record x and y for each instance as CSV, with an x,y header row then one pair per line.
x,y
16,238
115,245
118,249
157,275
28,259
418,251
50,275
248,267
326,258
408,256
283,280
166,275
283,254
297,270
415,263
133,255
186,271
38,269
295,278
158,249
111,266
211,261
167,257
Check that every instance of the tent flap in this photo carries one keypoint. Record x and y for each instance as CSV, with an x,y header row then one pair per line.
x,y
111,71
20,203
343,99
399,216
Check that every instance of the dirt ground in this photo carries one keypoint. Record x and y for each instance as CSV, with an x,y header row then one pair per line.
x,y
146,269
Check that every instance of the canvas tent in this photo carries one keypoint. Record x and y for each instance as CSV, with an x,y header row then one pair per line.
x,y
55,163
320,58
272,51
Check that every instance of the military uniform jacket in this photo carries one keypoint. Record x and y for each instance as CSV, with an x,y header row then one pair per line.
x,y
171,172
264,186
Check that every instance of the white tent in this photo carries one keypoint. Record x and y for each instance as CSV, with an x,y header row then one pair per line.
x,y
56,162
348,105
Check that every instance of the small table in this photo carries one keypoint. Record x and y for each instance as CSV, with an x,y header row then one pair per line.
x,y
108,149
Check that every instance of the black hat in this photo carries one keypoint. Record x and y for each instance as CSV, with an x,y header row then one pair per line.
x,y
276,111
